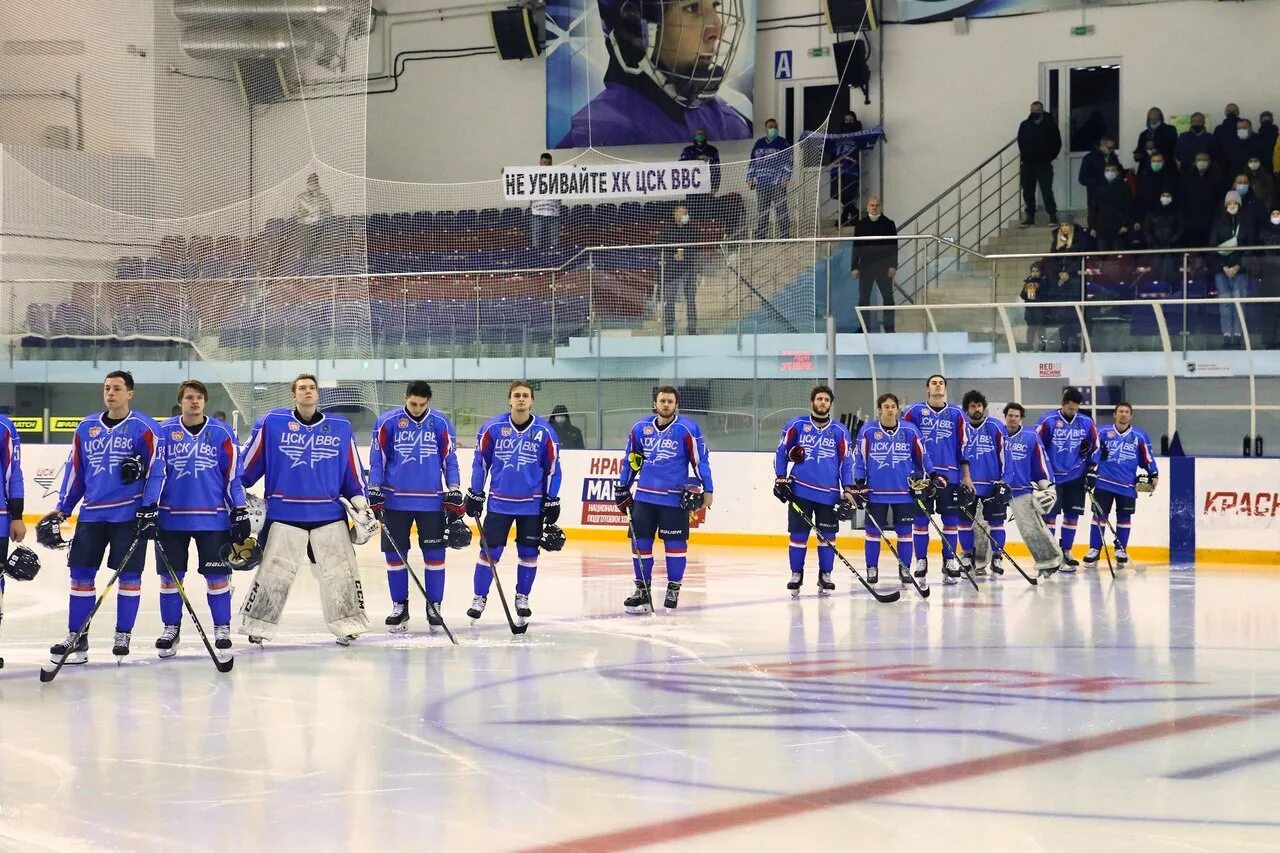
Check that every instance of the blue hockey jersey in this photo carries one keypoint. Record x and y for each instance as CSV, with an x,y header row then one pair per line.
x,y
1025,461
1125,453
828,459
984,452
195,480
943,433
523,465
770,162
886,459
305,468
11,489
1070,442
414,461
669,453
93,469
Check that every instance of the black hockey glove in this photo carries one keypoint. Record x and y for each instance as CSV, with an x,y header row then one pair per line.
x,y
550,510
1090,479
844,509
145,522
475,503
454,503
377,501
240,528
623,498
132,469
782,490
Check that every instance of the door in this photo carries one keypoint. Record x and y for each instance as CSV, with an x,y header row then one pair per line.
x,y
1084,97
806,105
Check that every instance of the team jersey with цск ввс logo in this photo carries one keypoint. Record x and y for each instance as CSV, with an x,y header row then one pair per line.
x,y
93,469
1069,442
887,458
943,433
195,481
305,467
1126,452
413,460
1026,462
828,459
984,451
523,465
668,452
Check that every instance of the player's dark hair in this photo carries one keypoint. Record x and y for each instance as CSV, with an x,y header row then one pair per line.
x,y
822,389
1123,403
666,389
519,383
1015,407
880,400
293,386
195,385
418,388
1072,395
933,377
122,374
972,396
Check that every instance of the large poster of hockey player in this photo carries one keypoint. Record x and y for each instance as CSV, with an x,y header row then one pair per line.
x,y
632,72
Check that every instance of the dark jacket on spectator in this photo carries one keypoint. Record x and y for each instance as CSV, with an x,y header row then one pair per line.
x,y
1225,134
1162,229
674,232
1268,133
1224,228
1201,199
570,436
1112,208
1190,144
1254,208
1165,138
1240,151
875,253
694,151
1092,167
1150,186
1262,185
1039,142
1074,239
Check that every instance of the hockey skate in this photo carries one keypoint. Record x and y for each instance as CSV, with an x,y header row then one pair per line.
x,y
167,642
1069,563
1091,558
345,641
922,567
825,586
222,637
1122,556
950,571
672,601
797,578
78,656
904,575
873,575
398,621
476,610
434,620
996,566
522,606
641,600
120,647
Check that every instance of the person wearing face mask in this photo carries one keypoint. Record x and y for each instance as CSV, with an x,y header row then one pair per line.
x,y
570,436
1267,131
1224,133
840,151
680,271
1268,331
1195,141
1111,217
1252,206
1093,166
1162,137
701,149
1162,229
876,261
1261,182
1232,230
1062,276
1039,143
768,174
1156,180
1245,147
1202,188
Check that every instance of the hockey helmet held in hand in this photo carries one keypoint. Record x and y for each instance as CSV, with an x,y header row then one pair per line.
x,y
23,564
49,531
692,498
553,538
458,534
243,556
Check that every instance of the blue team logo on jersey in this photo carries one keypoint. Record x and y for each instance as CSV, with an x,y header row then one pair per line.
x,y
310,448
416,445
516,449
192,458
1121,452
823,447
105,454
661,448
890,452
936,428
1019,450
983,444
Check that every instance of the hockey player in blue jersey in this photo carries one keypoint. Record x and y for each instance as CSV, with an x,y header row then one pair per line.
x,y
666,459
111,452
12,498
308,463
1070,439
819,451
519,455
942,426
982,482
414,482
193,494
1031,494
1122,450
889,456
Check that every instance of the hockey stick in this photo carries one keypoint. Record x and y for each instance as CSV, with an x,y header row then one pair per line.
x,y
631,533
882,597
47,674
942,537
999,549
431,605
502,596
903,568
222,665
1097,513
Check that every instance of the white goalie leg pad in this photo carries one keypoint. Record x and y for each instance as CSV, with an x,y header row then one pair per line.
x,y
286,550
981,542
1035,533
341,596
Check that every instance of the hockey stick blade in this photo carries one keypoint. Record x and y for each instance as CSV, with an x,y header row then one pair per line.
x,y
882,597
431,605
1000,551
936,529
220,663
903,569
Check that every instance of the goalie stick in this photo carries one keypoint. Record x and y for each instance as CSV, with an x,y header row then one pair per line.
x,y
222,665
882,597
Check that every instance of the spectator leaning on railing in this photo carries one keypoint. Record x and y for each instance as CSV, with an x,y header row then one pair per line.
x,y
1232,230
876,261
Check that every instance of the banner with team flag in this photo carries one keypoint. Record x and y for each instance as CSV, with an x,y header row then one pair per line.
x,y
616,181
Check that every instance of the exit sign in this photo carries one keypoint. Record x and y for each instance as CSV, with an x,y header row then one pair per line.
x,y
1084,30
817,51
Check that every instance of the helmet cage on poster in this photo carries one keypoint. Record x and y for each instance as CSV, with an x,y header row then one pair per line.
x,y
686,48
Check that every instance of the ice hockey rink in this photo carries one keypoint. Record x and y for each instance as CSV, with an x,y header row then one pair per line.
x,y
1085,713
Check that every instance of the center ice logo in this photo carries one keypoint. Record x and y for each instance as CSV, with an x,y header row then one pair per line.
x,y
192,458
105,454
416,445
310,448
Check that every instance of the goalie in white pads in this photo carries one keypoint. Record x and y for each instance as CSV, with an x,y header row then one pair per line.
x,y
313,480
1030,480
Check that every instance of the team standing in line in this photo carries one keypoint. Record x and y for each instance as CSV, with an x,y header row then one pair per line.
x,y
182,482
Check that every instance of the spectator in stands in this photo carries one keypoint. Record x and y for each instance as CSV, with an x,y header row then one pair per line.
x,y
1269,264
875,261
1267,131
1231,231
1202,189
1036,288
1261,182
221,416
1225,133
680,271
1039,143
1155,181
1162,229
1253,208
842,155
701,149
570,436
1065,281
768,174
1245,147
1195,141
1163,138
312,209
1094,165
544,217
1111,216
